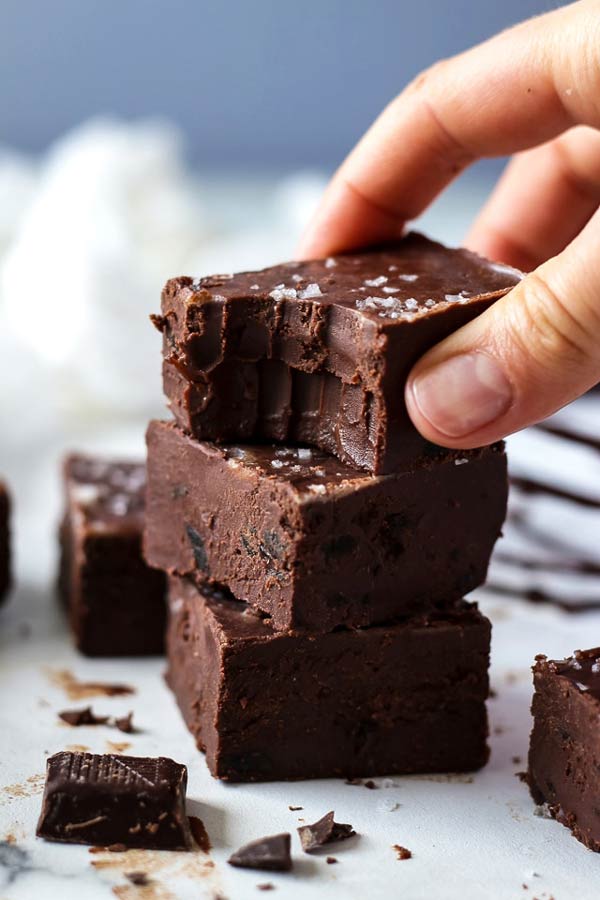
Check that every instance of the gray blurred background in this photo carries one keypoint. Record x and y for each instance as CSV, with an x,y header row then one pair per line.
x,y
252,83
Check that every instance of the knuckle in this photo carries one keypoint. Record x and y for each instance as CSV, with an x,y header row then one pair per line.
x,y
547,326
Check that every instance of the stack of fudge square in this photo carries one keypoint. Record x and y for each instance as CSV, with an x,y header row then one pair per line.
x,y
317,548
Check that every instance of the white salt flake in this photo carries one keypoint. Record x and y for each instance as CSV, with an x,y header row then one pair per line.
x,y
461,462
296,277
411,303
388,804
330,262
375,282
391,290
86,494
317,488
392,268
304,453
429,303
596,667
462,297
255,287
311,290
282,293
277,463
408,277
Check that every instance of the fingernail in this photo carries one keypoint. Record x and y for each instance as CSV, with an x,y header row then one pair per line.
x,y
462,394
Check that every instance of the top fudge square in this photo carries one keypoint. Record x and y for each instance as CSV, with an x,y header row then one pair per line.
x,y
318,352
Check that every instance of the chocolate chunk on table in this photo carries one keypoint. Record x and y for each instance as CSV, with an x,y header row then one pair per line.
x,y
131,801
325,831
563,768
314,543
318,352
116,603
267,706
5,566
270,854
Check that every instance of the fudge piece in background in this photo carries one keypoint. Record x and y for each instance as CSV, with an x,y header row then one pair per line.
x,y
116,603
564,750
314,543
5,560
267,706
318,352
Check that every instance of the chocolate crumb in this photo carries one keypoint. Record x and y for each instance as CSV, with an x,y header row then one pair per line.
x,y
402,852
330,860
139,878
84,716
295,808
269,853
199,833
324,831
370,784
266,886
516,760
125,723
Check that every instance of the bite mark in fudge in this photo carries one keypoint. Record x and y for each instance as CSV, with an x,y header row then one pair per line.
x,y
248,693
5,566
115,602
313,543
129,801
318,352
563,772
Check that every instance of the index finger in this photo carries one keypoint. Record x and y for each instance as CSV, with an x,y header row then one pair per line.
x,y
519,89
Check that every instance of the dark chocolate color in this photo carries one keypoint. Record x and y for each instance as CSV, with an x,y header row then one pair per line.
x,y
318,352
268,706
133,801
325,831
270,854
5,567
314,543
116,603
563,752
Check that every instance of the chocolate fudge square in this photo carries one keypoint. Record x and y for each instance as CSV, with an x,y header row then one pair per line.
x,y
267,706
318,352
314,543
116,603
126,801
564,750
5,567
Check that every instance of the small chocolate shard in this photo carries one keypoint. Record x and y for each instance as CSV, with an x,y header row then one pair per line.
x,y
330,860
125,723
115,802
295,808
269,853
325,831
76,717
200,834
370,784
402,852
138,878
266,886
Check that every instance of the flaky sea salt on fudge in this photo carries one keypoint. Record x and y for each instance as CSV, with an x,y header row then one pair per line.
x,y
318,352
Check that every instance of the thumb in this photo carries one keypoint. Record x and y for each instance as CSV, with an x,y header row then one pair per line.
x,y
532,352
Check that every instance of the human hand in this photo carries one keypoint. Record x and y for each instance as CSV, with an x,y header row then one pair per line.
x,y
534,91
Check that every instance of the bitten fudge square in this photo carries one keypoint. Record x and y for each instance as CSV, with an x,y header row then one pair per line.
x,y
5,562
313,543
263,705
318,352
564,750
115,602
